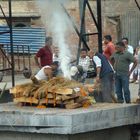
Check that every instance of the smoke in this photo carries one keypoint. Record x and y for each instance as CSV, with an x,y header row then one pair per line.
x,y
58,24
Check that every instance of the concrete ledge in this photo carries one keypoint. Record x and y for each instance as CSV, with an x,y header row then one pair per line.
x,y
62,121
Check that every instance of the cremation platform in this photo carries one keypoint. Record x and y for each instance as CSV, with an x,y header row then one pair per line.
x,y
100,122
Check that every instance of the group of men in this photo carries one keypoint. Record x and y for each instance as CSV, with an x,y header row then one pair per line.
x,y
46,61
111,67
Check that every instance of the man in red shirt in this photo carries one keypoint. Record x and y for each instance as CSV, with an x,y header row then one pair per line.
x,y
44,54
109,47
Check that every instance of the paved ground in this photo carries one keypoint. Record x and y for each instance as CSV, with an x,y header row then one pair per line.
x,y
20,79
134,90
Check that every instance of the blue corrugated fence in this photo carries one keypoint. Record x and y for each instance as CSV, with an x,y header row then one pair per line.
x,y
34,37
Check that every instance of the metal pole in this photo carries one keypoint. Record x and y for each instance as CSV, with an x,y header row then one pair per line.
x,y
91,12
11,43
82,8
76,29
137,4
99,17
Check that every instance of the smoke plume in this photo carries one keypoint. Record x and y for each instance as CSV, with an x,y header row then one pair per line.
x,y
58,24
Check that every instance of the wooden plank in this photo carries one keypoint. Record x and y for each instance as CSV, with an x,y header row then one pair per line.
x,y
49,101
66,97
66,91
71,101
50,95
73,106
26,100
43,101
58,97
18,89
81,100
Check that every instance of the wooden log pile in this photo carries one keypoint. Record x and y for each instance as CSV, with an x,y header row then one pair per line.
x,y
57,92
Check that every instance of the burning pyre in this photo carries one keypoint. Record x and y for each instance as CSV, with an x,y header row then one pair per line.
x,y
57,92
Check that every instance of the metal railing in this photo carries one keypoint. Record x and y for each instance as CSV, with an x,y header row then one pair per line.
x,y
22,58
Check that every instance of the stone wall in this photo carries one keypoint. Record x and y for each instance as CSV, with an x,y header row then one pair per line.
x,y
111,12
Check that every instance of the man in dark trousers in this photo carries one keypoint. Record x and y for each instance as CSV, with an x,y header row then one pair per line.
x,y
44,54
121,60
104,76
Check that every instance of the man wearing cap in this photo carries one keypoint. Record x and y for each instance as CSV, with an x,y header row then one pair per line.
x,y
121,60
45,54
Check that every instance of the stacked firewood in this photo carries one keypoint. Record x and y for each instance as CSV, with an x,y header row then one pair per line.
x,y
57,92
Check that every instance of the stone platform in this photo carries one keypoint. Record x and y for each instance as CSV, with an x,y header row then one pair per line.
x,y
99,120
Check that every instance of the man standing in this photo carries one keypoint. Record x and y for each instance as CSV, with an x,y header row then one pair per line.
x,y
109,47
121,60
104,76
44,54
128,47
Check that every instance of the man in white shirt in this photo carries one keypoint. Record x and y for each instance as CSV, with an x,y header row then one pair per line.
x,y
45,73
77,73
84,61
104,76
